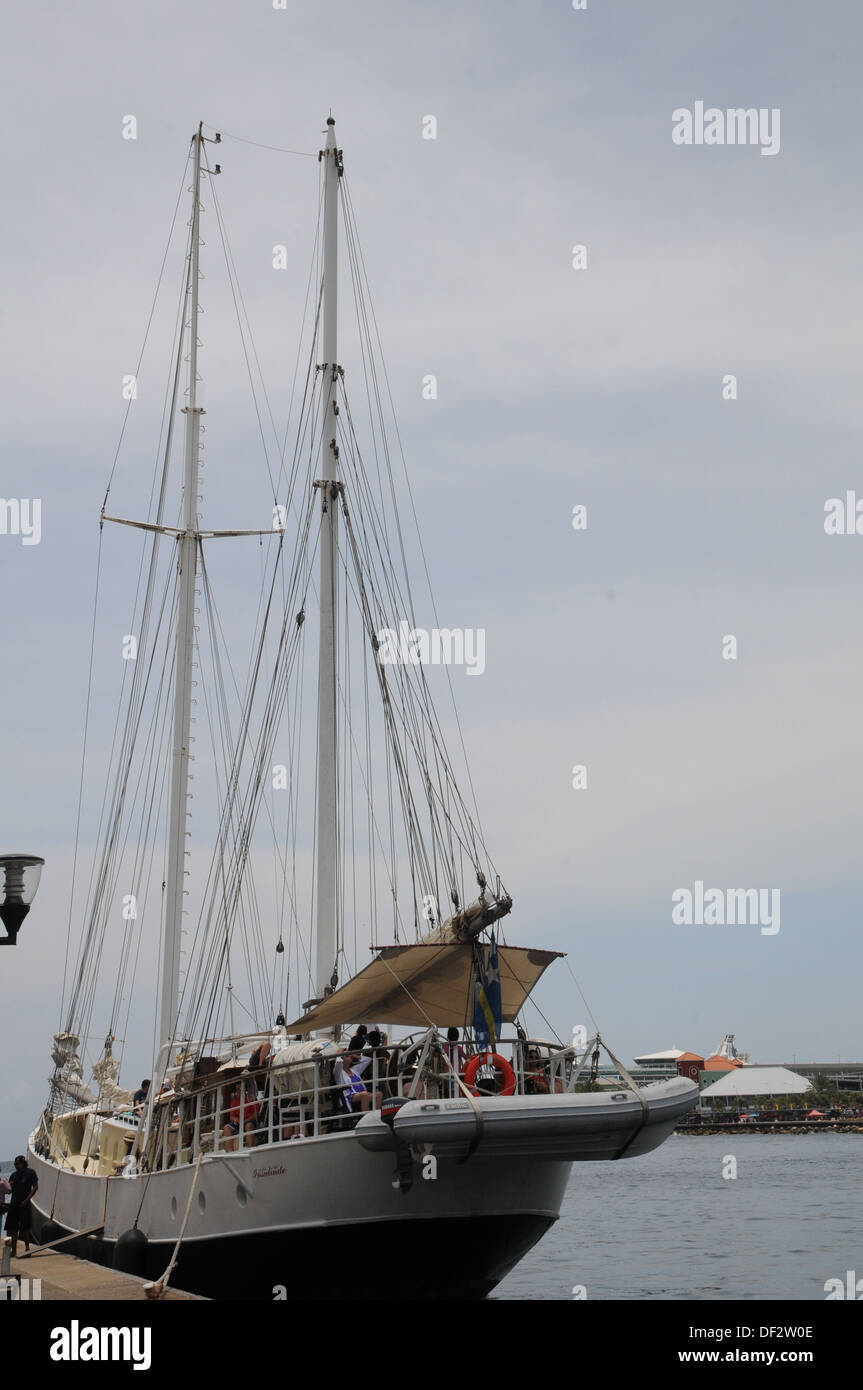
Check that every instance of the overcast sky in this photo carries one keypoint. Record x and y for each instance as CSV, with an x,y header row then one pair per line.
x,y
599,386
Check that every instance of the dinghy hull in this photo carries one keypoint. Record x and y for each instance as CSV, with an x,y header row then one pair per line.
x,y
574,1128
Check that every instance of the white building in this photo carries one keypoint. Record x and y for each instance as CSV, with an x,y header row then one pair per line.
x,y
755,1081
659,1061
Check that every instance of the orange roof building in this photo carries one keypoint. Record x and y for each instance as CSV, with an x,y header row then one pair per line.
x,y
690,1064
717,1063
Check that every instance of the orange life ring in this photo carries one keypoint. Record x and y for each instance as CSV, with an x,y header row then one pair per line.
x,y
501,1065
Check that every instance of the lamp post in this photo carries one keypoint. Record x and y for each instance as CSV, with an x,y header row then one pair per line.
x,y
19,879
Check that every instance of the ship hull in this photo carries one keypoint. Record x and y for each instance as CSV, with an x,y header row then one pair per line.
x,y
312,1219
448,1258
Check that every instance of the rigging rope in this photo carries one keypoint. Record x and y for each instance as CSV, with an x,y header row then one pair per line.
x,y
426,841
226,135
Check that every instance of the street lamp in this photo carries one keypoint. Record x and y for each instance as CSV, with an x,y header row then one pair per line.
x,y
19,879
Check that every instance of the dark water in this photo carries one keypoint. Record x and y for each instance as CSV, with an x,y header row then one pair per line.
x,y
669,1226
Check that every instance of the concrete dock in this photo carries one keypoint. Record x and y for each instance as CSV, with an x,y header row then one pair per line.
x,y
67,1279
733,1126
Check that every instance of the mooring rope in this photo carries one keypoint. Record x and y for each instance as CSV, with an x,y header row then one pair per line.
x,y
159,1288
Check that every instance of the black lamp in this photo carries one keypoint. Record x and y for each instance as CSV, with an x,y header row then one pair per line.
x,y
19,879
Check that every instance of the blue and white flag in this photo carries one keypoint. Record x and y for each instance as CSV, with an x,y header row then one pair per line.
x,y
487,1003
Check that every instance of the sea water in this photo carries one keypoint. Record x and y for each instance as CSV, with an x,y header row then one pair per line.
x,y
678,1224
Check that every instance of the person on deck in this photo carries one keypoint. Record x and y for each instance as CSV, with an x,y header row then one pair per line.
x,y
139,1099
536,1076
249,1111
19,1217
535,1079
425,1089
347,1073
455,1056
258,1063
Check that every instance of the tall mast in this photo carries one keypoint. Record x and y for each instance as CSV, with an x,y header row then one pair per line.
x,y
187,556
327,829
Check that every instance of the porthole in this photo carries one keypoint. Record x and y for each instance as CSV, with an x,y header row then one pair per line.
x,y
173,1208
242,1196
202,1202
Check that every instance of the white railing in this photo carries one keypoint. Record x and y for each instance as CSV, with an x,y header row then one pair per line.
x,y
260,1108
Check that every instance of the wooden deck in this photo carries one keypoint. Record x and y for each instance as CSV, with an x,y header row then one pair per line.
x,y
67,1279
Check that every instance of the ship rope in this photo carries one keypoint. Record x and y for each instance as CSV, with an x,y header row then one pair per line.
x,y
159,1288
361,277
410,844
76,1015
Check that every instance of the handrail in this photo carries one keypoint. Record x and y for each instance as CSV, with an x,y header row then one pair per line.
x,y
299,1099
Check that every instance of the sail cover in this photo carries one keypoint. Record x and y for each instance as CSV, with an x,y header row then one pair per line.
x,y
426,984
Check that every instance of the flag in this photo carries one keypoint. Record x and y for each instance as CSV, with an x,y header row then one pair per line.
x,y
487,1004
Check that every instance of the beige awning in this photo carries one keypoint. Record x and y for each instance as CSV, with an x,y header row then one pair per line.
x,y
423,985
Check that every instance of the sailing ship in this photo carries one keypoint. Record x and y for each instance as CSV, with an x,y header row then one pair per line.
x,y
280,1143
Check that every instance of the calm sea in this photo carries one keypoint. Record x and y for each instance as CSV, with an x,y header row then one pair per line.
x,y
669,1226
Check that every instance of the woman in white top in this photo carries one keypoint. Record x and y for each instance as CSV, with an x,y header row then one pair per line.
x,y
347,1073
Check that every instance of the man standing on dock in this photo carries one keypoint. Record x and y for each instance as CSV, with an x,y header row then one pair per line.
x,y
19,1217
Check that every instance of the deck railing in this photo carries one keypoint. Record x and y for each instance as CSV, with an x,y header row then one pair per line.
x,y
270,1105
239,1108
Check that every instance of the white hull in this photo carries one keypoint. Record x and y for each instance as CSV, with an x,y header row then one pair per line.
x,y
302,1215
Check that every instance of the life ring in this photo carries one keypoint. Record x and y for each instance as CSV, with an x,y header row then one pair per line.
x,y
500,1064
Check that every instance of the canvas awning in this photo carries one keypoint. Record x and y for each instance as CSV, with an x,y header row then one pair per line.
x,y
426,984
